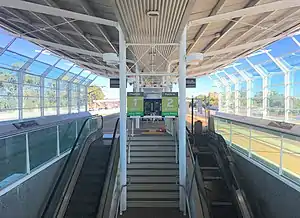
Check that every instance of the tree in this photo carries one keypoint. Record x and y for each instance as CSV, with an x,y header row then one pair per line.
x,y
95,93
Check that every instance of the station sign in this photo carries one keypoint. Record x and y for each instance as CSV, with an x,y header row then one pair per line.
x,y
135,104
169,104
190,82
115,83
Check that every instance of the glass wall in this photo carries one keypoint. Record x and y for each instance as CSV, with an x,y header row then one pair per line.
x,y
267,82
35,82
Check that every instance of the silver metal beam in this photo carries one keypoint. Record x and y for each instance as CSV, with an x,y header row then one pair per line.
x,y
259,9
38,8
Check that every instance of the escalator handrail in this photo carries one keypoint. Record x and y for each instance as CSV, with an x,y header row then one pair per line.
x,y
58,181
115,132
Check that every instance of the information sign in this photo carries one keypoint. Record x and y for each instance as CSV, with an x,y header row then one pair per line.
x,y
135,104
170,104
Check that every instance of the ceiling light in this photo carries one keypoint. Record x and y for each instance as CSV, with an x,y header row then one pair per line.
x,y
152,13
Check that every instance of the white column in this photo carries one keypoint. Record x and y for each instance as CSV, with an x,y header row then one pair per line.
x,y
137,90
227,98
182,114
42,96
123,134
287,95
20,94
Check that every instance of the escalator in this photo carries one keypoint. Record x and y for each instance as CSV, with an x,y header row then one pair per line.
x,y
81,189
218,177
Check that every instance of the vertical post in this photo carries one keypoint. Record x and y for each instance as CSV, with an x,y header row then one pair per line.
x,y
123,134
57,97
281,155
42,96
250,143
20,94
192,116
287,95
70,90
227,98
27,154
76,129
182,114
236,98
57,141
249,91
230,132
265,96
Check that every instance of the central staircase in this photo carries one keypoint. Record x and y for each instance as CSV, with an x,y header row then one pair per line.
x,y
153,177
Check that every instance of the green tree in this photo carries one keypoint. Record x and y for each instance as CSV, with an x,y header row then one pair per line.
x,y
95,93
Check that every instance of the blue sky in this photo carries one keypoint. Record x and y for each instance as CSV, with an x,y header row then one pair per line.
x,y
286,47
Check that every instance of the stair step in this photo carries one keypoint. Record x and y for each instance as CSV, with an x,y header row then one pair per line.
x,y
152,159
209,178
153,179
153,195
153,138
152,154
152,166
221,203
156,172
209,168
153,187
152,142
154,204
154,148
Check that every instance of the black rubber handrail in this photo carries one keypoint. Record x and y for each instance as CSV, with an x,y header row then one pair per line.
x,y
60,177
115,132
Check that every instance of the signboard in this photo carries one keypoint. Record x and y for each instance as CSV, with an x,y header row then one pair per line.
x,y
115,83
135,104
170,104
190,82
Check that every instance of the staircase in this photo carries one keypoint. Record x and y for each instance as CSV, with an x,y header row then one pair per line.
x,y
152,173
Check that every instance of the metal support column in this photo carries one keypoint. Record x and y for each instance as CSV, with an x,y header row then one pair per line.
x,y
248,94
137,125
182,115
42,96
20,94
265,96
70,87
58,97
123,133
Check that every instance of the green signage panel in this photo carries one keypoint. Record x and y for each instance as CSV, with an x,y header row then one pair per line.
x,y
135,104
170,104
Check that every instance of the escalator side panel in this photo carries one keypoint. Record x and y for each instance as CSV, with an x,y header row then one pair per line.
x,y
87,192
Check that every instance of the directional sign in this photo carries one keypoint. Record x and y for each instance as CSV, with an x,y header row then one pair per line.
x,y
190,82
170,104
115,83
135,104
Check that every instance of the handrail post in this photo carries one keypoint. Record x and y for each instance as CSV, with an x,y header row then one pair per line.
x,y
281,154
57,141
250,143
27,154
230,132
76,129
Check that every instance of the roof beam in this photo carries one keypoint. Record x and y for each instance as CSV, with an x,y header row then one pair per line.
x,y
38,8
94,65
203,28
228,28
278,5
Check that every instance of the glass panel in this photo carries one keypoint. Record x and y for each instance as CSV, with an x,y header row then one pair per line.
x,y
42,146
50,83
31,102
12,60
37,68
68,76
76,70
67,135
47,57
258,57
64,64
8,76
25,48
50,111
270,68
5,39
283,46
55,73
8,103
32,80
31,91
29,113
12,159
9,115
85,73
240,137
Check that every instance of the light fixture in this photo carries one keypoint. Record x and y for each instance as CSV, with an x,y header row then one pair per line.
x,y
152,13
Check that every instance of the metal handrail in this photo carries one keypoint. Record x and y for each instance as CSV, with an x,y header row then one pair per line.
x,y
258,126
119,198
58,181
37,128
187,201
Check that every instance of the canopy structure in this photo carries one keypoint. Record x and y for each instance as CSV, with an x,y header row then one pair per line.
x,y
82,30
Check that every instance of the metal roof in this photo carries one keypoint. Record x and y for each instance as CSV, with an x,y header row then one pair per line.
x,y
82,30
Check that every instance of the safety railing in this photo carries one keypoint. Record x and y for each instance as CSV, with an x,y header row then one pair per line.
x,y
278,152
25,153
90,125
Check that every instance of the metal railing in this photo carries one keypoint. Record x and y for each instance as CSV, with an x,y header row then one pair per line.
x,y
59,189
24,153
276,151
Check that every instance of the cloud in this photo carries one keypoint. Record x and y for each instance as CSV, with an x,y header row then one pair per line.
x,y
45,52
